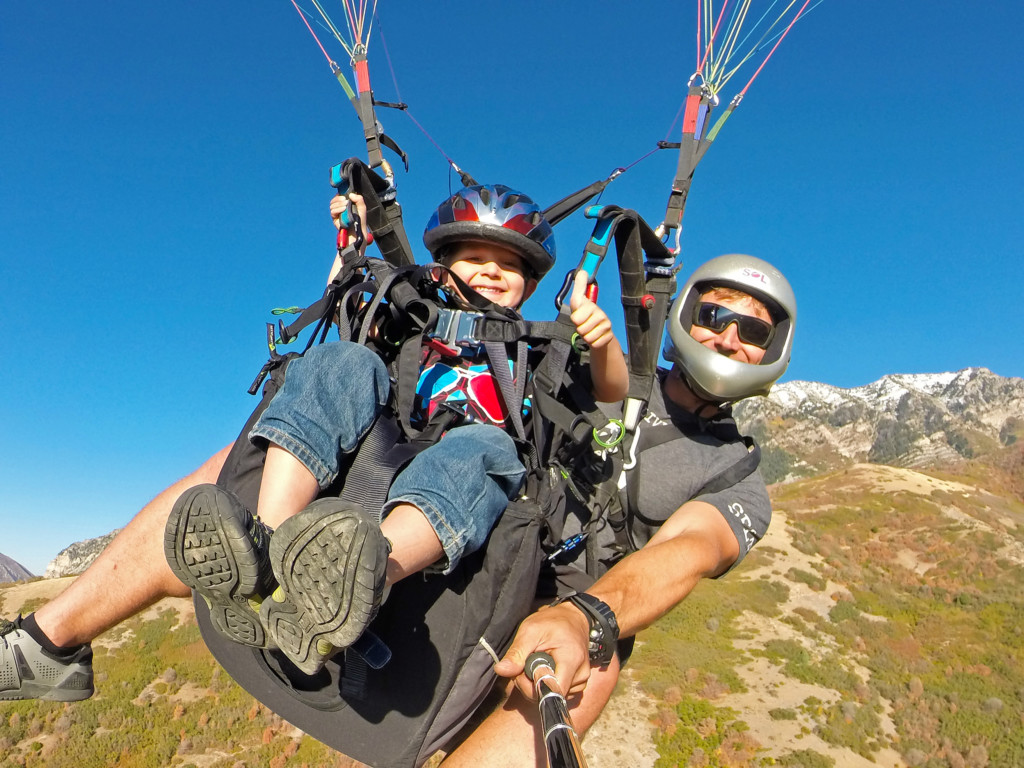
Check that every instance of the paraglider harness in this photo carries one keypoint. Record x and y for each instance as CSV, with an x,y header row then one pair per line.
x,y
424,665
597,479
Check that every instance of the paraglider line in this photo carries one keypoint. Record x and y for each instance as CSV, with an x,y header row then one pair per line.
x,y
675,119
330,25
398,94
766,43
621,170
699,6
387,57
711,40
806,3
324,50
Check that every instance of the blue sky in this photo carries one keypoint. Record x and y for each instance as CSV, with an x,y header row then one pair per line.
x,y
163,184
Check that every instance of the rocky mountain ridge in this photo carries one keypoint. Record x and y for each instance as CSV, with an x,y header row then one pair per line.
x,y
908,420
74,559
12,570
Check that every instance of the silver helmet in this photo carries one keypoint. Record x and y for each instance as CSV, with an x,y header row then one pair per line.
x,y
714,376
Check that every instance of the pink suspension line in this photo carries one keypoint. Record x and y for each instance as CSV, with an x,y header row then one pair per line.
x,y
781,38
306,22
700,4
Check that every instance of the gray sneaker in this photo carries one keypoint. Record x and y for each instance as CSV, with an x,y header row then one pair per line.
x,y
330,560
27,671
220,551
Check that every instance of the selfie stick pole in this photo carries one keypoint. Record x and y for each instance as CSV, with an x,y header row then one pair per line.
x,y
560,739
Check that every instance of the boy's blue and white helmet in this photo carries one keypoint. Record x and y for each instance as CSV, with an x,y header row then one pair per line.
x,y
494,213
714,376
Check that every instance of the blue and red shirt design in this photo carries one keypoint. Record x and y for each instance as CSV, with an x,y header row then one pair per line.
x,y
466,384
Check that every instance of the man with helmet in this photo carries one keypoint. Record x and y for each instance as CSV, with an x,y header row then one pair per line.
x,y
493,245
690,503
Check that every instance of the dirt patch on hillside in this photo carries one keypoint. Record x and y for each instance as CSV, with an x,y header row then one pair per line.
x,y
15,596
768,689
623,734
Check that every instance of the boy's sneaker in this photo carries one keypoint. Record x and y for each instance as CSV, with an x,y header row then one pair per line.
x,y
330,561
28,671
220,551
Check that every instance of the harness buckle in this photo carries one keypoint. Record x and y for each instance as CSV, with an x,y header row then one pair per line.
x,y
456,329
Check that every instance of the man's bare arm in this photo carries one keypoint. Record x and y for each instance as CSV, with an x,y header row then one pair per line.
x,y
694,543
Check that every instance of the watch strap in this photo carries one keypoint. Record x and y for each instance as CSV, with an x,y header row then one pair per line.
x,y
604,628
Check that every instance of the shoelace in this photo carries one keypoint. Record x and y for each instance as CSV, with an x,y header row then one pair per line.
x,y
261,533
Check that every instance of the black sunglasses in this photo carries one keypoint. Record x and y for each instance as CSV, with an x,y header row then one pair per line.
x,y
751,330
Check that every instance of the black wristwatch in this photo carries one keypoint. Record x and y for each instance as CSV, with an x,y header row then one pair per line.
x,y
604,629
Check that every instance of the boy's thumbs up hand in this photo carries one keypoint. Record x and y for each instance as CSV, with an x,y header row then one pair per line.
x,y
591,322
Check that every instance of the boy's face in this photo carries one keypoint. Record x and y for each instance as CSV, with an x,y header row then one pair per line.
x,y
496,273
727,342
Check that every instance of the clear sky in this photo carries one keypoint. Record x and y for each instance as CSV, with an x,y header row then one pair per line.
x,y
164,184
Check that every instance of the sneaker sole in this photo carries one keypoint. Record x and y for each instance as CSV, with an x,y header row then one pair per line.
x,y
208,548
330,561
81,689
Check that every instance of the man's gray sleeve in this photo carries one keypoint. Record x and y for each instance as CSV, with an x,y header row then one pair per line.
x,y
672,473
747,509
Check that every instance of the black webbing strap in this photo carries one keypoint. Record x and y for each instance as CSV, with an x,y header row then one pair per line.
x,y
690,153
645,294
380,456
383,219
405,380
569,204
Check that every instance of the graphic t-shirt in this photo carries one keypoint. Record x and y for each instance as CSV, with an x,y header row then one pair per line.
x,y
463,383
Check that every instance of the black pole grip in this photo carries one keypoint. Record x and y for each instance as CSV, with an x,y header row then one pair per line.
x,y
538,659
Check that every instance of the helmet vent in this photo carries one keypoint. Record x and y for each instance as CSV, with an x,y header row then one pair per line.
x,y
485,195
511,200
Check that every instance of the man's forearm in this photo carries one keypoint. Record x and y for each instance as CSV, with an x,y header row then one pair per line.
x,y
693,544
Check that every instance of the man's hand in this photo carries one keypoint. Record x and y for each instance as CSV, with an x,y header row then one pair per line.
x,y
564,632
590,320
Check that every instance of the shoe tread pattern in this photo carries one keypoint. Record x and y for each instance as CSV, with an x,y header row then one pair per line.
x,y
210,550
331,565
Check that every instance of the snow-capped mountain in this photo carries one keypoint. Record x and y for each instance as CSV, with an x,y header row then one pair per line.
x,y
904,419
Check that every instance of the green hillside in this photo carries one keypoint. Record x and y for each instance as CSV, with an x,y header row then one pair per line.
x,y
881,622
161,700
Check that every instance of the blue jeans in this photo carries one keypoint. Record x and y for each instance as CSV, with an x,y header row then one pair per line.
x,y
329,400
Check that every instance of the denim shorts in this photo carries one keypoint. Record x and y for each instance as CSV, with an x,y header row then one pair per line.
x,y
328,402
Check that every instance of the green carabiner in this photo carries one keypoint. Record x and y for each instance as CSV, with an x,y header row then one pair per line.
x,y
620,432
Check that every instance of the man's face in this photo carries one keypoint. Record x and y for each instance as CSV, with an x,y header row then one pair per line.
x,y
727,342
496,273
